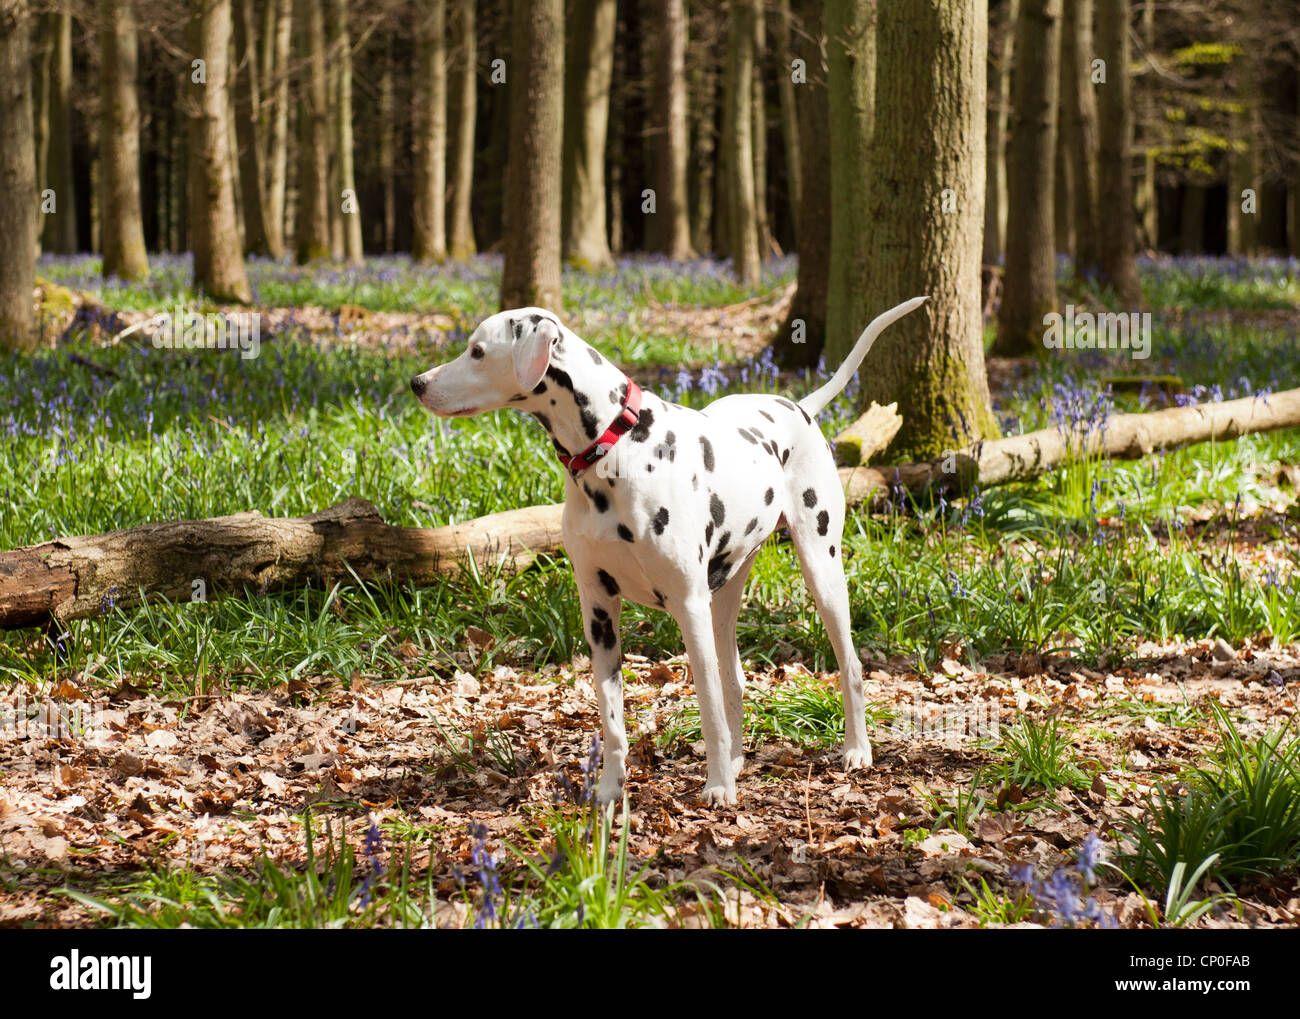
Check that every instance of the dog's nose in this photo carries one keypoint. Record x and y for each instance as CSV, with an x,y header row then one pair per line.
x,y
417,385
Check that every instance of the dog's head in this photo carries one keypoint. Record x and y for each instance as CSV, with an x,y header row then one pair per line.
x,y
506,357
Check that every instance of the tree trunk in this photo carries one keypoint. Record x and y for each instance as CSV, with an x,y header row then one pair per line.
x,y
926,213
59,229
790,134
1029,290
588,67
1063,199
802,338
995,141
1079,133
249,82
119,141
312,239
346,197
18,181
464,107
218,255
758,110
702,78
1147,206
851,87
74,578
531,276
1243,232
673,147
386,157
277,69
429,243
739,143
1115,169
42,49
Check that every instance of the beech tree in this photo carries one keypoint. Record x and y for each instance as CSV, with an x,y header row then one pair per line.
x,y
122,234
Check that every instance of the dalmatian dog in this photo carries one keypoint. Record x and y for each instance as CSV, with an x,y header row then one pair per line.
x,y
667,506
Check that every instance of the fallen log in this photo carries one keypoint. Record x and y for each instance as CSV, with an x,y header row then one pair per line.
x,y
75,578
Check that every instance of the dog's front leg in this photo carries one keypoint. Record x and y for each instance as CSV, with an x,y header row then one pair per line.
x,y
696,623
601,615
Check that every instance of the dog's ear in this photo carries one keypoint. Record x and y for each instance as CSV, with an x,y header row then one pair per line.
x,y
532,352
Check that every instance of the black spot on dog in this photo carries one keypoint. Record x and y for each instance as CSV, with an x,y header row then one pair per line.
x,y
787,404
708,533
695,481
608,583
823,521
707,447
542,419
805,415
832,551
767,497
701,553
785,457
768,416
724,541
751,525
745,434
719,571
535,319
540,388
599,499
660,520
659,597
552,401
809,498
595,357
558,448
716,510
517,328
521,396
589,423
624,532
602,629
641,431
649,468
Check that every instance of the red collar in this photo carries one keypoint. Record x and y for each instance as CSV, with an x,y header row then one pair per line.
x,y
626,420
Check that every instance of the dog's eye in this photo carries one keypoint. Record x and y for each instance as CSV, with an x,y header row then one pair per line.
x,y
476,353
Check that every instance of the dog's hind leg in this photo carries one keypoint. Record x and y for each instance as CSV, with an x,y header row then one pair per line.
x,y
726,611
600,616
817,530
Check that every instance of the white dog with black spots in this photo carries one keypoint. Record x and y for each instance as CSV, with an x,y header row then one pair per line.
x,y
678,523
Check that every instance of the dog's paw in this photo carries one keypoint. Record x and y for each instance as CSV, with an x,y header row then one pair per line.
x,y
857,758
719,795
610,789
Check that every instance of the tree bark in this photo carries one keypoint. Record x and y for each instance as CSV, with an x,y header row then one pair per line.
x,y
464,107
802,338
59,228
74,578
926,214
277,69
429,243
1115,169
42,44
790,133
312,240
18,181
218,254
739,143
1079,132
387,154
119,143
995,142
249,82
702,78
588,68
344,150
851,88
531,276
758,110
673,147
1029,289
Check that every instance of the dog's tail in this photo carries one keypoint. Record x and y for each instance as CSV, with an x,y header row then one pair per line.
x,y
815,403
